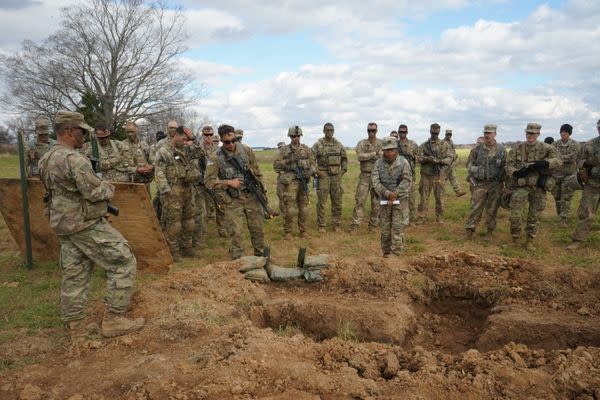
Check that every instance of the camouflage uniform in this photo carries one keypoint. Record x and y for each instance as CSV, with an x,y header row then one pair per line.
x,y
211,210
563,194
411,152
175,177
198,160
367,153
525,189
450,170
115,161
332,163
433,175
138,153
486,168
239,204
77,210
590,198
34,150
387,177
295,198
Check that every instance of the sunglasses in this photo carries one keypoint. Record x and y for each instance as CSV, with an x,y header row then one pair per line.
x,y
371,130
207,134
402,132
229,141
293,136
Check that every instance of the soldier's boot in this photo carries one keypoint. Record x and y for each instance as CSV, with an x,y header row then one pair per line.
x,y
439,220
353,228
373,228
515,240
176,254
79,331
489,236
529,244
321,229
386,255
190,252
469,234
117,325
304,234
336,228
575,245
460,193
563,223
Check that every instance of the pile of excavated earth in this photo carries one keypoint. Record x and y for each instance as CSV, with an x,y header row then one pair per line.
x,y
455,326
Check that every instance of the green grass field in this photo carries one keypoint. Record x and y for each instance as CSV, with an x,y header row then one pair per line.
x,y
34,304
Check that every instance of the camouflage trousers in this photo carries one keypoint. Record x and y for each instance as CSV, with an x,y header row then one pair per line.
x,y
329,186
450,176
199,216
101,245
485,197
244,210
520,198
586,213
563,195
178,217
212,211
427,184
157,208
393,219
412,199
281,187
295,205
364,190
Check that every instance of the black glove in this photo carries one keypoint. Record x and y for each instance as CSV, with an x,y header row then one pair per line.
x,y
541,164
588,164
520,173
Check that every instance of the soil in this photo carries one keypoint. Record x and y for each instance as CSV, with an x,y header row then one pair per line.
x,y
450,326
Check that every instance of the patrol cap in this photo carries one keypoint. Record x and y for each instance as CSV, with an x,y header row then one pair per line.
x,y
101,129
72,118
294,131
533,127
389,143
42,123
280,145
490,128
239,133
448,132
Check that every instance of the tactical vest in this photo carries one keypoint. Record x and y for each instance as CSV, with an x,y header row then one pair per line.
x,y
302,158
525,155
489,169
330,158
594,159
114,151
179,168
227,170
391,181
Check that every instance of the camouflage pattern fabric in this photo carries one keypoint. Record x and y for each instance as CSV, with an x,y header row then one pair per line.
x,y
485,197
590,198
34,150
393,218
115,161
332,163
411,152
366,153
138,153
562,193
432,176
450,175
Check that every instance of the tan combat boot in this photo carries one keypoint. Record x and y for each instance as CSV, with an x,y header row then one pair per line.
x,y
469,234
190,252
529,244
79,330
117,325
489,236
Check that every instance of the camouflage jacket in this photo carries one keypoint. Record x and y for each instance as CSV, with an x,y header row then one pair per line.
x,y
392,177
590,154
289,158
452,150
330,156
77,197
487,163
367,153
411,151
174,166
115,162
439,150
154,148
569,153
33,152
524,154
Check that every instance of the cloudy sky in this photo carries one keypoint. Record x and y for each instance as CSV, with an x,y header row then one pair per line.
x,y
268,64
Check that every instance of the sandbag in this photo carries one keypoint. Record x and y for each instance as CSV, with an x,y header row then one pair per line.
x,y
312,275
252,262
277,273
320,260
257,275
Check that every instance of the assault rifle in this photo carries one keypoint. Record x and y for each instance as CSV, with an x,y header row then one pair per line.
x,y
95,159
211,193
301,178
436,166
534,167
253,185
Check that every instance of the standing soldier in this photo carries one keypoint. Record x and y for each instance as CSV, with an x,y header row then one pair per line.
x,y
175,177
367,151
77,209
36,148
486,171
115,163
239,135
332,164
528,166
198,162
568,149
138,152
391,179
171,127
411,152
227,180
589,175
280,186
294,164
450,170
434,162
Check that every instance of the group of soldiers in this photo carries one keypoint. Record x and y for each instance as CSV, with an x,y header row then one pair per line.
x,y
197,180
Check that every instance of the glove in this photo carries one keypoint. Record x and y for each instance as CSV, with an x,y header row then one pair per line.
x,y
588,164
541,164
104,165
520,173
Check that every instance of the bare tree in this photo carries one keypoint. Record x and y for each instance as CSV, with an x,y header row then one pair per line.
x,y
123,52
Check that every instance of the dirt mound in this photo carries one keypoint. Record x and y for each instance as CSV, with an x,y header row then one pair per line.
x,y
451,326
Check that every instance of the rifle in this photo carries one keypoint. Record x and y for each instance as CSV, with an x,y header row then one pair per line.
x,y
95,159
436,167
211,193
253,185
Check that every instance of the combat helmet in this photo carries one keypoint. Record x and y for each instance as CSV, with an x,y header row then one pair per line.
x,y
294,131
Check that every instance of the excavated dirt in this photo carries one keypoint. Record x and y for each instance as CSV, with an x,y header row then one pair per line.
x,y
455,326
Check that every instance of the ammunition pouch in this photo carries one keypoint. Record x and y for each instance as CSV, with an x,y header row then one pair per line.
x,y
94,210
233,192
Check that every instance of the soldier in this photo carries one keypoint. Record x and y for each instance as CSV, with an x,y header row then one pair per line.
x,y
223,176
36,148
171,127
239,135
77,210
527,166
436,157
486,171
138,152
568,149
391,180
394,134
294,164
151,151
175,176
280,187
114,161
450,170
367,151
411,152
589,175
332,164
